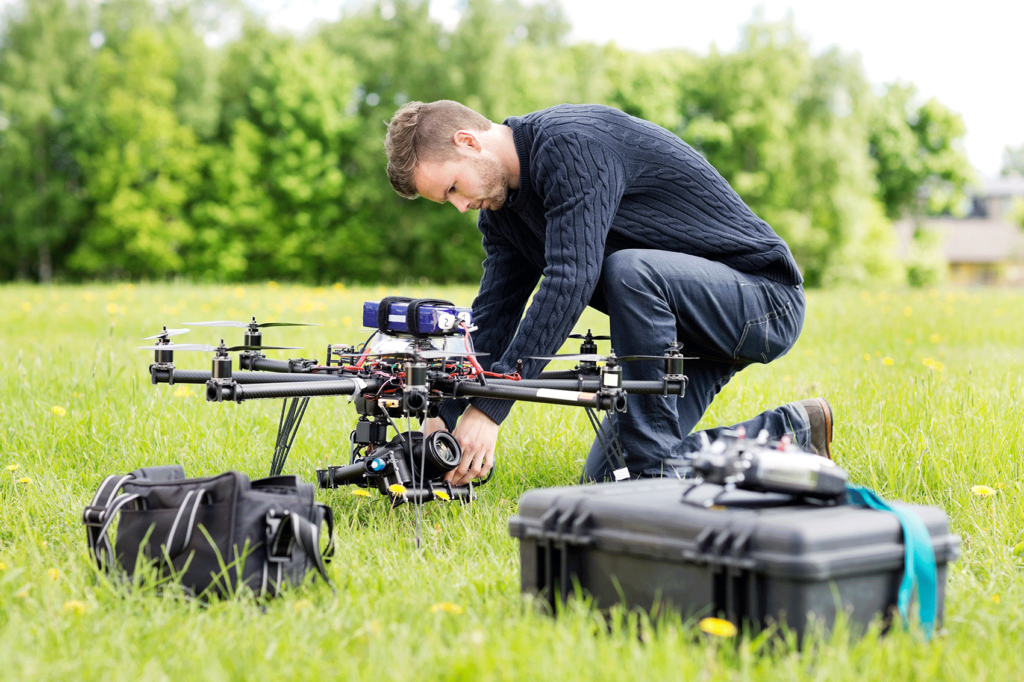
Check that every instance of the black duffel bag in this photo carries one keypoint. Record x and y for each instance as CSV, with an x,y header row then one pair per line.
x,y
211,535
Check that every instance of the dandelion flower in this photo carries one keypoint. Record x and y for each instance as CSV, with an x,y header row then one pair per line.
x,y
442,495
397,489
887,361
53,573
75,606
995,598
26,306
867,357
59,411
13,467
447,607
347,320
983,490
3,566
182,392
359,492
718,627
908,311
24,479
934,338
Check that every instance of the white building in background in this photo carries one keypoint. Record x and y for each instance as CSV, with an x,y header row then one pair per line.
x,y
985,246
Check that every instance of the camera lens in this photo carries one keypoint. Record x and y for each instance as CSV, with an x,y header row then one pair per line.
x,y
443,450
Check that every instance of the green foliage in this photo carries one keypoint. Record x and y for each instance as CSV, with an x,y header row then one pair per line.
x,y
1013,161
45,74
926,387
150,154
273,204
142,165
921,166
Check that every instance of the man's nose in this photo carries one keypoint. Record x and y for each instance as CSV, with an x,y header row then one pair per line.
x,y
460,203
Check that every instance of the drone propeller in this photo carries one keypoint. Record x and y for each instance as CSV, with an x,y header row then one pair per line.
x,y
253,324
211,349
166,333
590,336
419,354
594,357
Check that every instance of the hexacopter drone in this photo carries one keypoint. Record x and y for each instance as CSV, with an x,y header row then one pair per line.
x,y
419,355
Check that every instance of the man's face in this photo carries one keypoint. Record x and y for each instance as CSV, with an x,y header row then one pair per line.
x,y
468,182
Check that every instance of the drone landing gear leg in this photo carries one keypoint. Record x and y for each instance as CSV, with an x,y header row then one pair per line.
x,y
292,410
613,452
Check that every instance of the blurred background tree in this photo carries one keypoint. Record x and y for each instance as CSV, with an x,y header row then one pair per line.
x,y
147,139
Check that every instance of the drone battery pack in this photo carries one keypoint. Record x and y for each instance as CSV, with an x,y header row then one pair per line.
x,y
755,559
431,319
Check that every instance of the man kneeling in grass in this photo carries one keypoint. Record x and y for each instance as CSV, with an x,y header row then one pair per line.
x,y
607,210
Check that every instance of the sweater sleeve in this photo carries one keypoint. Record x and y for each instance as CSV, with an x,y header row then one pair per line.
x,y
505,288
581,183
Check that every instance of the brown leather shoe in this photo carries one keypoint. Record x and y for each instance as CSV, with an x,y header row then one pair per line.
x,y
819,414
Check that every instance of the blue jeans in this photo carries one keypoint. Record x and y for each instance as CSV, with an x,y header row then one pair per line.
x,y
727,318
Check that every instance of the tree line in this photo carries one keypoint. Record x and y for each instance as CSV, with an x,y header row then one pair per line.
x,y
149,140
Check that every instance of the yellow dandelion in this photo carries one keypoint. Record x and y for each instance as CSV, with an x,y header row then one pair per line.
x,y
447,607
347,320
878,353
59,411
908,311
53,573
359,492
718,627
182,391
867,357
397,489
24,479
13,467
995,598
3,566
239,292
442,495
26,306
338,286
112,308
983,490
934,338
75,606
887,361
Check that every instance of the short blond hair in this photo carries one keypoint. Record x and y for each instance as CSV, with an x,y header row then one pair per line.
x,y
425,132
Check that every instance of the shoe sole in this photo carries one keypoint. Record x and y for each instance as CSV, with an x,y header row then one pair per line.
x,y
827,409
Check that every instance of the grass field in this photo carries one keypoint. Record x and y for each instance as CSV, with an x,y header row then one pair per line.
x,y
927,386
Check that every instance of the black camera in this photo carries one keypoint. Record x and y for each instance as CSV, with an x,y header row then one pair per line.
x,y
408,468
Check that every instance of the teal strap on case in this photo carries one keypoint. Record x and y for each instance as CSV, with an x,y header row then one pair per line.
x,y
919,561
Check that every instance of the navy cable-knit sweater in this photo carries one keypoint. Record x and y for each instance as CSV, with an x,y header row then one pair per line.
x,y
593,181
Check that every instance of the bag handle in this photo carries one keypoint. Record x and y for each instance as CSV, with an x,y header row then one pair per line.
x,y
181,533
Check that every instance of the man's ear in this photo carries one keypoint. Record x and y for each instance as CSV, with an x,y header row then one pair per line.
x,y
466,141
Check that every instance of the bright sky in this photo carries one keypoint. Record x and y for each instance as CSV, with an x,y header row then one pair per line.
x,y
970,55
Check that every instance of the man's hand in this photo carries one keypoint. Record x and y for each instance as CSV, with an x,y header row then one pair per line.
x,y
477,434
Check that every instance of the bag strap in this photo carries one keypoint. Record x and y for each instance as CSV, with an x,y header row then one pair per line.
x,y
919,557
286,529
